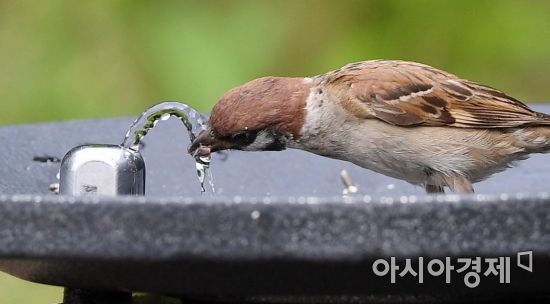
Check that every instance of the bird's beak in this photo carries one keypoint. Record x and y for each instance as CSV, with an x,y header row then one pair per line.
x,y
202,145
207,143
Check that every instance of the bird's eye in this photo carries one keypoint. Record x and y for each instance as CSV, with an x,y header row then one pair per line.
x,y
244,138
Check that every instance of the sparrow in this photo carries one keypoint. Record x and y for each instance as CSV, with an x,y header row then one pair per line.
x,y
402,119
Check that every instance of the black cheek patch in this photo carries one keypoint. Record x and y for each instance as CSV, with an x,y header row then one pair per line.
x,y
276,145
244,138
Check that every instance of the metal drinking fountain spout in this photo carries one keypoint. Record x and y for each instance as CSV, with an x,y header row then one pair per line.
x,y
119,169
102,170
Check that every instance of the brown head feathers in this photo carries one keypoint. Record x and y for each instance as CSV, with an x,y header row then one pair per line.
x,y
268,102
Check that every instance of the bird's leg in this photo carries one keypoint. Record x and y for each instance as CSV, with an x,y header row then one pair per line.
x,y
434,189
459,184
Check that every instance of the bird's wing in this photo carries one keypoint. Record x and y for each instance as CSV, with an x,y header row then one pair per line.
x,y
410,94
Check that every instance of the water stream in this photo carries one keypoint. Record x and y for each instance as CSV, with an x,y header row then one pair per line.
x,y
193,121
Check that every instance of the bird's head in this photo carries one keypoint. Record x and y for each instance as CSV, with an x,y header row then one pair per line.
x,y
261,115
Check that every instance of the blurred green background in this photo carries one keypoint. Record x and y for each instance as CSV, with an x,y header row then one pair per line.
x,y
93,59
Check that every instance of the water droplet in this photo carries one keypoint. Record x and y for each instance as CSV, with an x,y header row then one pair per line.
x,y
202,163
164,116
211,180
255,215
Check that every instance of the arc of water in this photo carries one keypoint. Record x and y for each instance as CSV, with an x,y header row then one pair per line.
x,y
193,121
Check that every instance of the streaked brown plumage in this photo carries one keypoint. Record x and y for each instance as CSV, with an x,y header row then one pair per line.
x,y
402,119
412,94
